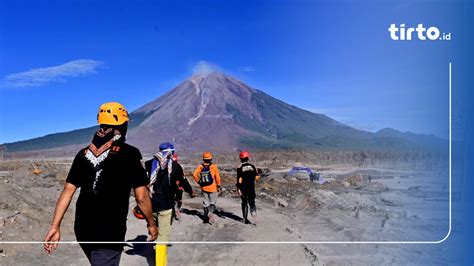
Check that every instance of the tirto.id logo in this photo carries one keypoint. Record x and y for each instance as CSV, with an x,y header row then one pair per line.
x,y
405,34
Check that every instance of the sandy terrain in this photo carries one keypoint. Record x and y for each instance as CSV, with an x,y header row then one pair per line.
x,y
391,205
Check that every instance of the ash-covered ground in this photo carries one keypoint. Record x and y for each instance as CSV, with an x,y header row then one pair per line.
x,y
353,204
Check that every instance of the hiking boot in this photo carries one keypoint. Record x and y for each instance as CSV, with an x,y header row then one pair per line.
x,y
177,215
254,217
212,219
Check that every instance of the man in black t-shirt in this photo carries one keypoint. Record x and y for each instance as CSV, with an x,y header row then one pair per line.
x,y
246,176
105,171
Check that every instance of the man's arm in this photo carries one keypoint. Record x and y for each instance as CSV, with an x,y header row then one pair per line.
x,y
62,205
183,181
257,174
196,174
187,187
144,202
218,176
238,184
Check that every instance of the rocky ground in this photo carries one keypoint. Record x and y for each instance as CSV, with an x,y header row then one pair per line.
x,y
352,205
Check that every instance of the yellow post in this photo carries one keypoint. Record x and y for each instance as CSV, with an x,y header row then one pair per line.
x,y
160,258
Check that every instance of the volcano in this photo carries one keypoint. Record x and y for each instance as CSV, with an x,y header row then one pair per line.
x,y
215,111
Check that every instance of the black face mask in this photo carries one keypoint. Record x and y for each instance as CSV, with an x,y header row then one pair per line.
x,y
121,128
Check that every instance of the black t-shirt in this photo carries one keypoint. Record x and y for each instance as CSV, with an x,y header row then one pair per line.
x,y
247,172
103,216
165,188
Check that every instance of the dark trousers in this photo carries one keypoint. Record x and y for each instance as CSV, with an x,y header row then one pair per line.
x,y
179,198
249,198
101,256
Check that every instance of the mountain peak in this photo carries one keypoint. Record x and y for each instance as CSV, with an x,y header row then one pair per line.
x,y
213,76
207,75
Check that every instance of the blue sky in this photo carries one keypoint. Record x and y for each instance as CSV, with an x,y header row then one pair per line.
x,y
59,60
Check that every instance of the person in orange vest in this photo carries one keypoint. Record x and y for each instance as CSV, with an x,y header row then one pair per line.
x,y
208,177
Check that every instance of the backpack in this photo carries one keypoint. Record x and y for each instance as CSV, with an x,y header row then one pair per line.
x,y
205,177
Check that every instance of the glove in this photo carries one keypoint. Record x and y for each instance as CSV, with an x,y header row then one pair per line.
x,y
219,189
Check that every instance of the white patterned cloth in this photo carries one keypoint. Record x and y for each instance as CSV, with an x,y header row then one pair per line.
x,y
99,150
164,161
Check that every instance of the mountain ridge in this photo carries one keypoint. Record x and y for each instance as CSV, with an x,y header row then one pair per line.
x,y
217,112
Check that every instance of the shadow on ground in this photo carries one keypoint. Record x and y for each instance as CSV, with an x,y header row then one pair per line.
x,y
221,213
144,250
194,213
224,215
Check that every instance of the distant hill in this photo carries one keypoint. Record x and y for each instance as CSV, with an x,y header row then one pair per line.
x,y
218,112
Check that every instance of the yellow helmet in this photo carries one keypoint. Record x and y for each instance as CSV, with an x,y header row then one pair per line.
x,y
112,113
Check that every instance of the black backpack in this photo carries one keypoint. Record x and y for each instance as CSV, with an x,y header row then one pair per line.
x,y
205,177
